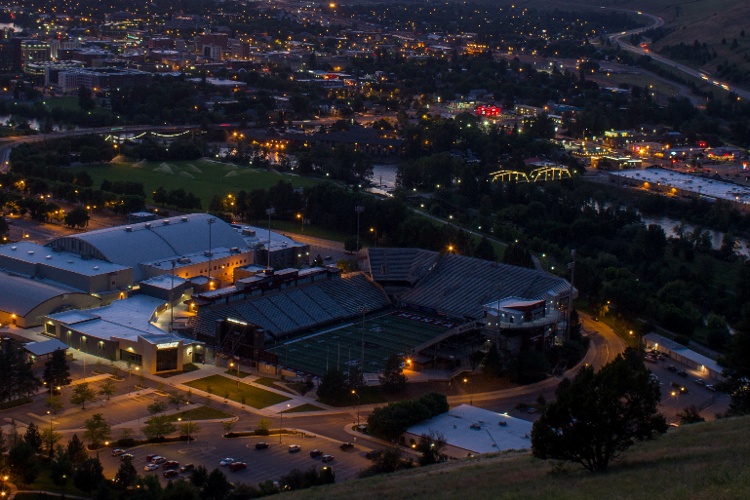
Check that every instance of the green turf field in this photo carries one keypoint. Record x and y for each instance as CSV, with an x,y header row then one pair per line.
x,y
204,178
342,347
223,387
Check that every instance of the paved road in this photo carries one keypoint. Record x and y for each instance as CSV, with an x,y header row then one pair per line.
x,y
621,39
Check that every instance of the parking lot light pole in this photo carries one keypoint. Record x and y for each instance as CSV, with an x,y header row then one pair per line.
x,y
281,421
358,401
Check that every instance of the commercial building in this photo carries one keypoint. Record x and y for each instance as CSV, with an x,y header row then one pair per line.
x,y
469,431
123,331
99,78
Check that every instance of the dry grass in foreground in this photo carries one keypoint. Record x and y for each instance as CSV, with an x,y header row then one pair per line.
x,y
700,461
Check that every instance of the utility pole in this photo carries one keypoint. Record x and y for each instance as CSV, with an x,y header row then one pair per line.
x,y
171,299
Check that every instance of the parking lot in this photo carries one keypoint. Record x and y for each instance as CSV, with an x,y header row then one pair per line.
x,y
673,401
262,465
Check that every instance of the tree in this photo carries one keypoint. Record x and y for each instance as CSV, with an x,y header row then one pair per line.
x,y
393,378
199,476
82,393
157,407
182,490
23,462
189,429
690,415
78,217
86,99
492,365
50,438
333,387
217,487
599,415
107,388
159,426
176,399
33,438
56,371
431,448
61,468
54,403
126,474
76,451
97,430
736,363
88,475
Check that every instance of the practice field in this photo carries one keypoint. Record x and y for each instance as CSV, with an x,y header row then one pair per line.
x,y
396,332
204,178
223,387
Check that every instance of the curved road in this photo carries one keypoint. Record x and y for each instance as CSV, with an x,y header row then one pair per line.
x,y
621,40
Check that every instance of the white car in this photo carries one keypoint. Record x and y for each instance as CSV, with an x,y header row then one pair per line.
x,y
227,461
150,467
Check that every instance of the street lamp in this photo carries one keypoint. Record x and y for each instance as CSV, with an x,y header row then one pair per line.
x,y
471,396
301,222
231,365
281,421
358,401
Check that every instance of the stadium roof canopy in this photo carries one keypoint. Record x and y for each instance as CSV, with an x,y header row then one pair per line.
x,y
20,296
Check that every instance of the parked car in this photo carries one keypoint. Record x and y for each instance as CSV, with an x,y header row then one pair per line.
x,y
676,385
171,473
314,453
227,461
261,446
150,467
672,368
372,455
171,464
711,387
235,466
126,456
294,448
150,457
699,381
327,458
682,373
117,452
158,460
346,446
187,468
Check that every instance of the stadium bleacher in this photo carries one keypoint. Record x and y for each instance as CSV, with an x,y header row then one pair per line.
x,y
291,310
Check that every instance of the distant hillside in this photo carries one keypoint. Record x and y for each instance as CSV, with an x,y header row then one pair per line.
x,y
700,461
717,23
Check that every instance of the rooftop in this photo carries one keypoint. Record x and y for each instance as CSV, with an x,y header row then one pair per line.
x,y
477,430
37,254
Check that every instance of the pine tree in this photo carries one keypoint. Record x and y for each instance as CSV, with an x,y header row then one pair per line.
x,y
56,371
33,438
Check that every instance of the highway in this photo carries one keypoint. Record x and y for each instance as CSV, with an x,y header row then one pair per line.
x,y
621,39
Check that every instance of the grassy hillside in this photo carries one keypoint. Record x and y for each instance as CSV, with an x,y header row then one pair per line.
x,y
706,461
708,21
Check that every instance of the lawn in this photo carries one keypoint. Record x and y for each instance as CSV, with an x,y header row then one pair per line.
x,y
271,382
304,407
705,461
44,483
204,178
201,413
224,387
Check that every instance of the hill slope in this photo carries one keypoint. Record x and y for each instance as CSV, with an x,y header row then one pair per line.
x,y
707,461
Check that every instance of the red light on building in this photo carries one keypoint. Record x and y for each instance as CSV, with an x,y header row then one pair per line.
x,y
488,111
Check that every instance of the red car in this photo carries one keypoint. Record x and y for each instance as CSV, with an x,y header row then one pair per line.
x,y
171,465
171,473
234,467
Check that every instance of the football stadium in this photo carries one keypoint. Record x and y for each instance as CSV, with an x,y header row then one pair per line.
x,y
434,310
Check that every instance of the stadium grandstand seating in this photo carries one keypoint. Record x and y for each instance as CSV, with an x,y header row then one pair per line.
x,y
459,286
287,311
400,265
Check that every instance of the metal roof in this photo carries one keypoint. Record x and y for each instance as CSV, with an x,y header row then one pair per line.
x,y
37,254
132,244
21,295
45,347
